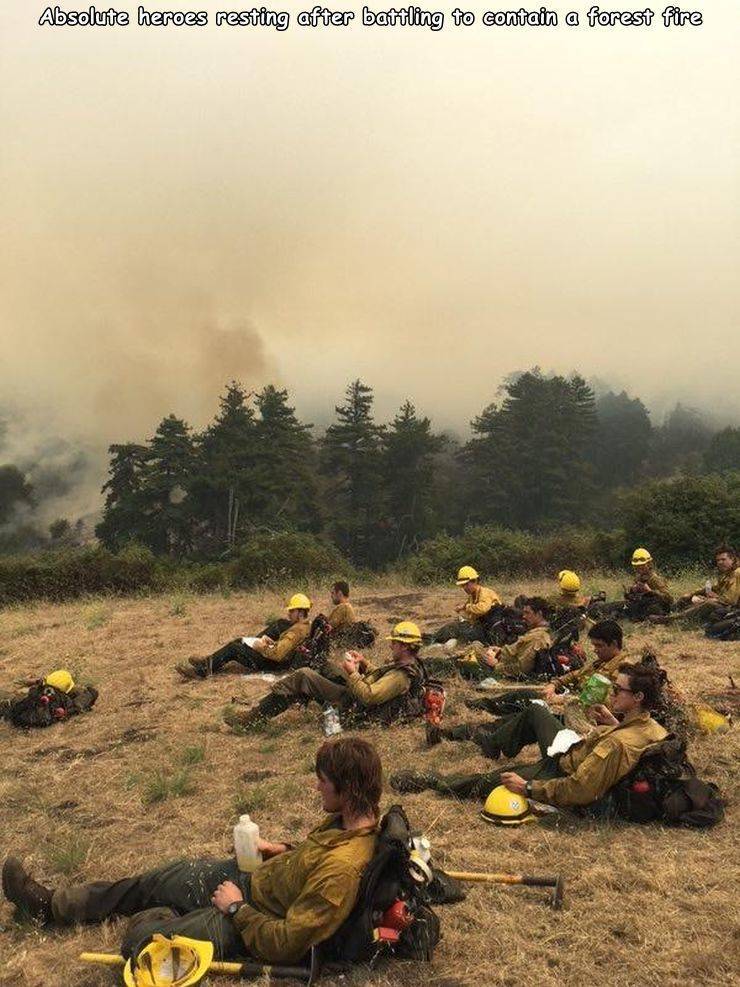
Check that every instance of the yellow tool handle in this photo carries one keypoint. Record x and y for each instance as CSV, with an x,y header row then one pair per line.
x,y
464,875
114,959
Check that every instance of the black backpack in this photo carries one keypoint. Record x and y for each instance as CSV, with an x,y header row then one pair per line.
x,y
42,706
502,625
724,625
551,663
390,891
314,651
663,787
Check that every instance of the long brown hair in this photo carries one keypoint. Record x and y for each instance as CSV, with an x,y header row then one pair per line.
x,y
353,767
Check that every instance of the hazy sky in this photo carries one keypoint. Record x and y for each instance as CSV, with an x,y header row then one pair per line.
x,y
426,210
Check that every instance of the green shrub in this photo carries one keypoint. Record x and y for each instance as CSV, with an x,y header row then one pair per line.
x,y
209,578
286,557
500,551
68,574
681,520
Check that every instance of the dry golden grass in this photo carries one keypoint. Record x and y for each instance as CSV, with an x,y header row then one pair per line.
x,y
151,774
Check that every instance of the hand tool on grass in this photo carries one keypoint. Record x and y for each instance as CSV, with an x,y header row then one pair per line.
x,y
556,882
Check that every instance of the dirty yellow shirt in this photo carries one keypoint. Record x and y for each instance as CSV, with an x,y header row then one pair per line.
x,y
566,598
659,587
479,604
598,762
301,897
518,658
727,588
579,676
379,685
287,642
341,616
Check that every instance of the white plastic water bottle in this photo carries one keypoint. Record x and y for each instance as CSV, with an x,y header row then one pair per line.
x,y
246,839
708,586
332,724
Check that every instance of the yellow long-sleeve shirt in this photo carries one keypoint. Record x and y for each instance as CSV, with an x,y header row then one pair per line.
x,y
343,615
579,676
598,762
287,642
379,685
479,604
301,897
727,588
658,586
518,659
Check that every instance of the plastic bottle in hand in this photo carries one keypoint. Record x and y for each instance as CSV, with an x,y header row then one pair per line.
x,y
246,839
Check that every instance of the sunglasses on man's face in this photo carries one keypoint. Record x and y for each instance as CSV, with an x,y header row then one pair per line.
x,y
620,688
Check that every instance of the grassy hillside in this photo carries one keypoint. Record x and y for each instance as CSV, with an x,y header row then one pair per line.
x,y
151,774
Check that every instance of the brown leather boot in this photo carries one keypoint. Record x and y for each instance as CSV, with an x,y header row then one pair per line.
x,y
25,893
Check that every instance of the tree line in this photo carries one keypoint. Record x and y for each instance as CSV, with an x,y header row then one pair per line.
x,y
548,453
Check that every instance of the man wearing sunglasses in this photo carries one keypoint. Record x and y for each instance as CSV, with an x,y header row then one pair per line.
x,y
575,775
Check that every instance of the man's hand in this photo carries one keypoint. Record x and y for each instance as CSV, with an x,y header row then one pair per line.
x,y
226,894
460,608
602,716
514,782
270,849
490,657
548,693
353,662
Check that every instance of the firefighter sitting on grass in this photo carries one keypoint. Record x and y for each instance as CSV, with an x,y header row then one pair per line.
x,y
714,599
296,898
394,691
471,623
271,650
572,771
518,659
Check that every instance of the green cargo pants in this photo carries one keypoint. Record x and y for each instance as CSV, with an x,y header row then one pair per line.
x,y
185,887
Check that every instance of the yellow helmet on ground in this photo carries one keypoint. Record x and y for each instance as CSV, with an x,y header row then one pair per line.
x,y
465,574
569,581
175,962
299,601
641,556
406,632
60,679
505,808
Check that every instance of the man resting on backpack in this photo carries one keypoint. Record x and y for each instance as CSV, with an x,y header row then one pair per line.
x,y
298,897
47,701
262,653
578,776
517,660
386,694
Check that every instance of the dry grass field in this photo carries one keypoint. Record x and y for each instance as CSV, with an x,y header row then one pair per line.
x,y
150,774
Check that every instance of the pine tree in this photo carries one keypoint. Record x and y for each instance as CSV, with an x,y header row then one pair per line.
x,y
409,450
124,519
527,459
166,481
350,457
224,488
621,440
285,467
723,453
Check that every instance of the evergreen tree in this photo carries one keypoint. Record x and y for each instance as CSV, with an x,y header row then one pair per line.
x,y
166,481
409,450
723,452
123,514
350,457
680,443
14,491
224,487
285,493
527,460
621,441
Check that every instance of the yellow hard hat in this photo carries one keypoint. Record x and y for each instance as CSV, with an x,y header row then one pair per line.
x,y
175,962
569,581
299,601
504,808
60,679
406,632
465,574
641,556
